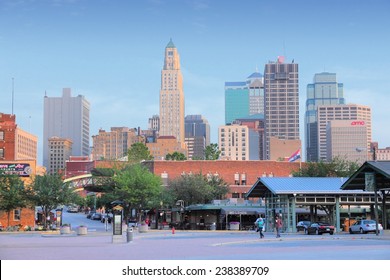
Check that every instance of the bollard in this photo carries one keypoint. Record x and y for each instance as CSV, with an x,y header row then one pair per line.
x,y
129,234
173,230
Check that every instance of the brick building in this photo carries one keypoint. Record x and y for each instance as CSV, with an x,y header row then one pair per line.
x,y
26,169
7,136
15,143
240,175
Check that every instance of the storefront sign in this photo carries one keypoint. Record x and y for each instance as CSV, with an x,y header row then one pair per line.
x,y
20,169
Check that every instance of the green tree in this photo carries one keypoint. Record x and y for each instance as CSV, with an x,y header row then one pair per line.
x,y
197,188
219,187
338,167
175,156
12,194
137,187
138,152
212,152
49,191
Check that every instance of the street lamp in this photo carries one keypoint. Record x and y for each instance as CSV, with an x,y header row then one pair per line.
x,y
94,199
181,204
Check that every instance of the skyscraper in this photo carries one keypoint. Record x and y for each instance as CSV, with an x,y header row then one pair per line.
x,y
281,105
197,133
328,113
243,99
347,139
172,96
66,117
325,90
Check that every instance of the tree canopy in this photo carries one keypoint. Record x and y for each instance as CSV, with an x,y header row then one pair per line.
x,y
49,191
12,194
197,188
175,156
212,152
138,152
338,167
137,187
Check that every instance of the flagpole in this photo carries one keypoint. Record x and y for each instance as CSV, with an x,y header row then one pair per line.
x,y
300,160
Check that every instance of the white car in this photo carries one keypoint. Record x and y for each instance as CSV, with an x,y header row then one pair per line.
x,y
364,226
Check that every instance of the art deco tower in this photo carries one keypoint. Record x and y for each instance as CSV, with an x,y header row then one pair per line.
x,y
172,96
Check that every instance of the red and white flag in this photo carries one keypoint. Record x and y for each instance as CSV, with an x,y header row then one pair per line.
x,y
295,156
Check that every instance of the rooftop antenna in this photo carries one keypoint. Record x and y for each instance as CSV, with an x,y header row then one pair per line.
x,y
12,109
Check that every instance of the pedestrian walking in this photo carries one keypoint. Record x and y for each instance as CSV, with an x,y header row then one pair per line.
x,y
278,225
260,226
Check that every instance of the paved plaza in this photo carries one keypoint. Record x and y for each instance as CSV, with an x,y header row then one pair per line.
x,y
192,245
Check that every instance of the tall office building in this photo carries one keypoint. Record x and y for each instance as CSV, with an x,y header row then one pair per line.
x,y
281,106
60,152
325,90
197,135
243,99
114,144
66,117
328,113
172,96
255,123
347,139
238,142
26,145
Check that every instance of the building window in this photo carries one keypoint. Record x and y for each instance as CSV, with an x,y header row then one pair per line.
x,y
235,195
1,135
236,179
1,153
17,214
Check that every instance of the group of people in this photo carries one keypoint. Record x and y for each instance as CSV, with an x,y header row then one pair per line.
x,y
260,224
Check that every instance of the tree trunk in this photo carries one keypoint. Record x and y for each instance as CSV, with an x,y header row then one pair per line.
x,y
8,217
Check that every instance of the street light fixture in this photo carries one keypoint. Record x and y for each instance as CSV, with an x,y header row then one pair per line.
x,y
181,204
94,199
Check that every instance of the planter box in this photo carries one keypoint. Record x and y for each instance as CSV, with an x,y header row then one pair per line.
x,y
143,228
234,226
65,230
82,231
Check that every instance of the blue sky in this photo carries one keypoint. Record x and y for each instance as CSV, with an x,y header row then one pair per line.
x,y
112,52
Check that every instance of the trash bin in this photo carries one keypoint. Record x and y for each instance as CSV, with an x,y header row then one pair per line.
x,y
130,234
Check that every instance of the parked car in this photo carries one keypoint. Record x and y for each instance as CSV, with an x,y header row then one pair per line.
x,y
107,216
302,226
320,228
72,209
96,216
90,213
364,226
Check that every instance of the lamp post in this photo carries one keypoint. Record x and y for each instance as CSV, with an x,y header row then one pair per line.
x,y
181,204
294,221
94,199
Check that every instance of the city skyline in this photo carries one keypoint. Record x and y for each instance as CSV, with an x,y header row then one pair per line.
x,y
111,52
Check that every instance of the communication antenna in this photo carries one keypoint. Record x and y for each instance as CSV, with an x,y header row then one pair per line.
x,y
12,109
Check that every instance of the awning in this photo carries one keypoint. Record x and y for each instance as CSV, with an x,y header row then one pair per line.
x,y
242,211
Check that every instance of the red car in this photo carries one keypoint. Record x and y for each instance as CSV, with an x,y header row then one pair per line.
x,y
320,228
